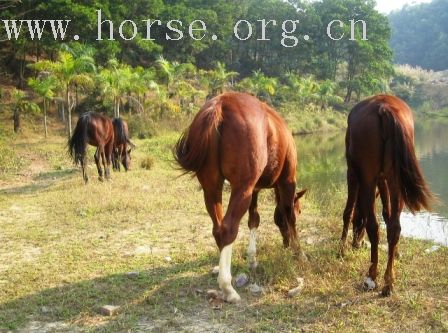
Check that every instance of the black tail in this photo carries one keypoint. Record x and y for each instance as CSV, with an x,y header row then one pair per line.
x,y
414,190
78,142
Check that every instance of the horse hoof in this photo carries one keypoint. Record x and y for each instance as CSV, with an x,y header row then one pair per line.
x,y
341,252
302,256
387,291
369,284
233,297
101,179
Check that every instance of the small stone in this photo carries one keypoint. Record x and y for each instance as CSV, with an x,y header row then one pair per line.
x,y
198,291
132,274
255,289
168,259
215,270
212,294
241,280
45,309
109,310
295,291
433,248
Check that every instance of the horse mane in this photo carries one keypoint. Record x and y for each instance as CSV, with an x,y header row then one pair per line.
x,y
192,148
414,190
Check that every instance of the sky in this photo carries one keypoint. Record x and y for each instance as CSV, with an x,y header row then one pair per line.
x,y
386,6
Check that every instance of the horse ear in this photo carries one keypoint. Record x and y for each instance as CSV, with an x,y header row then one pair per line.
x,y
299,195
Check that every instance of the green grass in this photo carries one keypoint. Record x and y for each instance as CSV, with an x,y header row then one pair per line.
x,y
66,249
311,119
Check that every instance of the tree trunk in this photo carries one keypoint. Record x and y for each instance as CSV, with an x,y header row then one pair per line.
x,y
45,118
69,112
17,127
62,106
348,97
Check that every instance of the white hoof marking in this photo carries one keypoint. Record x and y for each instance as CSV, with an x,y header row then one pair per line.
x,y
369,284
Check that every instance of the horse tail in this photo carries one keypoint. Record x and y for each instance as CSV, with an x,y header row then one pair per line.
x,y
194,145
77,144
413,187
122,135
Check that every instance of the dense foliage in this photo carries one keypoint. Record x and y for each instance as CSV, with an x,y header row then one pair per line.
x,y
420,35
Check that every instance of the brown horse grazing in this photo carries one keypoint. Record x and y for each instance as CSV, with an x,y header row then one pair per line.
x,y
121,142
380,153
237,138
97,130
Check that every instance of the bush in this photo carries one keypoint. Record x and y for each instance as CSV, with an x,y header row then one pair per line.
x,y
147,162
142,126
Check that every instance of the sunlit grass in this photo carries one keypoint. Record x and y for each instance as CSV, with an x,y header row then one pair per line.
x,y
66,249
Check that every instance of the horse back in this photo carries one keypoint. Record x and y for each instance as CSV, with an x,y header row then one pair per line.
x,y
100,129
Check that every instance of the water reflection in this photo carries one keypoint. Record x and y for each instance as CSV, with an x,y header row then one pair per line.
x,y
322,169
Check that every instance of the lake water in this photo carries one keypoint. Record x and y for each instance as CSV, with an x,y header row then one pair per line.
x,y
322,169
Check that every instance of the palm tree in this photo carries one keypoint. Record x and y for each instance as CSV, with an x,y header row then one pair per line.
x,y
45,89
262,86
326,92
115,81
220,78
167,69
70,72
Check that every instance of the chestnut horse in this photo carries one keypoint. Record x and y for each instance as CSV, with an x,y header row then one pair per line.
x,y
121,142
237,138
97,130
380,153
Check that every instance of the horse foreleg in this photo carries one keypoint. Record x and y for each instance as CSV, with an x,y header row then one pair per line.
x,y
107,157
254,222
225,234
353,188
98,164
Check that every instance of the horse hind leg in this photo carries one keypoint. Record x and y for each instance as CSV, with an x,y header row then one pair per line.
x,y
225,234
353,188
393,236
254,222
84,171
367,207
98,163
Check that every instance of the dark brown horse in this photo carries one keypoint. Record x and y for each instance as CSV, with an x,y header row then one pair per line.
x,y
237,138
121,153
97,130
380,153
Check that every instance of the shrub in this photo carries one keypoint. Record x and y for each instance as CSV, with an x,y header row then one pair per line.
x,y
147,162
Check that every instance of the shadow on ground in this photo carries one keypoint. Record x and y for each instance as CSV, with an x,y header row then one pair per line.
x,y
40,182
157,299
